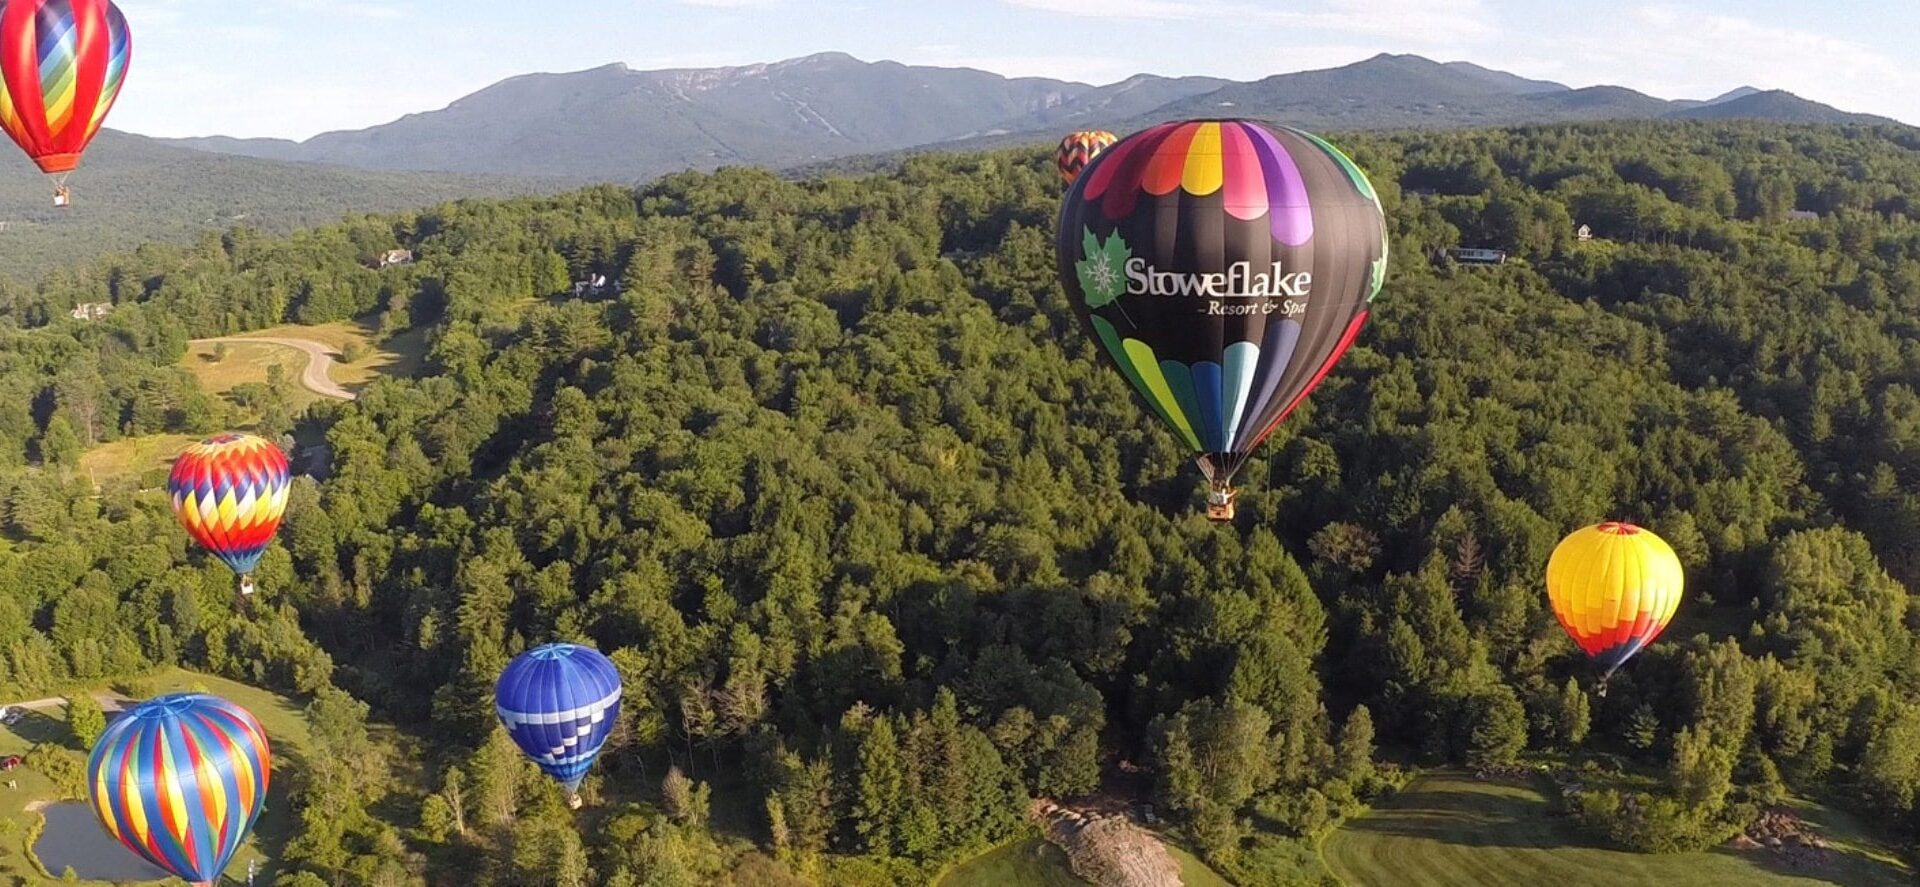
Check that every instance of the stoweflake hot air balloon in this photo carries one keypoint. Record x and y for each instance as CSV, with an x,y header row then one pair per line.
x,y
230,491
1614,587
558,703
1079,149
1224,267
62,63
179,780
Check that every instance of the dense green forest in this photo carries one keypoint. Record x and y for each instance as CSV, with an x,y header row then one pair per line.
x,y
883,551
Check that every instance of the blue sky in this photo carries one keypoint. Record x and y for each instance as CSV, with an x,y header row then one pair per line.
x,y
293,68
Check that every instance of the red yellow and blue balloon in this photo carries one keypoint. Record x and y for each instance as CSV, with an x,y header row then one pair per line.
x,y
179,780
1079,149
62,63
1614,587
229,492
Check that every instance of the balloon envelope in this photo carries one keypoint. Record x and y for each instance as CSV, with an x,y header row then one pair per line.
x,y
1079,149
62,63
558,703
1614,587
180,779
1223,267
229,492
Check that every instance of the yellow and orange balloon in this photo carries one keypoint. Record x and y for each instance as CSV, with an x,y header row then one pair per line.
x,y
1079,149
1614,587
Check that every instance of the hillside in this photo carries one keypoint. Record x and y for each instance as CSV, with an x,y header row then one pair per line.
x,y
617,124
1773,104
134,190
883,551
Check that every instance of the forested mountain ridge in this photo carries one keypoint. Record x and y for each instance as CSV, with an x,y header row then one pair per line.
x,y
882,550
620,125
133,190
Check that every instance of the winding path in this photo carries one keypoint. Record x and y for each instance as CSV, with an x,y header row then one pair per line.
x,y
319,360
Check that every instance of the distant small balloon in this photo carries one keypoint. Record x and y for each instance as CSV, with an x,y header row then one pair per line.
x,y
180,779
1079,149
1614,587
559,703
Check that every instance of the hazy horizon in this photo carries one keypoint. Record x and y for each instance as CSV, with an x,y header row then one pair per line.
x,y
312,66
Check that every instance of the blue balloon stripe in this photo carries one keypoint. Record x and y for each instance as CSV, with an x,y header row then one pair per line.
x,y
1207,390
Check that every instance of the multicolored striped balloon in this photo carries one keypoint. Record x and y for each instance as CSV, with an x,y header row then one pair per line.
x,y
1223,267
230,491
1079,149
559,702
179,780
62,63
1614,587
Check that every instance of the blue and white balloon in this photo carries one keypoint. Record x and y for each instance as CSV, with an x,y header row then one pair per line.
x,y
559,703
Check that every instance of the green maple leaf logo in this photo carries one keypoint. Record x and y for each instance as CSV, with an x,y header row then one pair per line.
x,y
1103,273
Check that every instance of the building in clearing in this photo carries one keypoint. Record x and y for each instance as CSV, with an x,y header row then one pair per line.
x,y
1801,215
394,257
1470,256
1583,232
91,310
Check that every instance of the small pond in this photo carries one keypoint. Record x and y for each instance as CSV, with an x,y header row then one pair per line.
x,y
73,837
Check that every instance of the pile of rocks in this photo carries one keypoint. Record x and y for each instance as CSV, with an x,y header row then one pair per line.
x,y
1783,833
1107,849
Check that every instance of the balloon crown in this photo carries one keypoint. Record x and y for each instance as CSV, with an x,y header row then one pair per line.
x,y
1618,528
167,705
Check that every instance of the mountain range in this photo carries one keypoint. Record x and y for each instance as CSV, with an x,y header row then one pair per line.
x,y
614,123
545,132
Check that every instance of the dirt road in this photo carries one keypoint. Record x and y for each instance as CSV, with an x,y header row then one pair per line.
x,y
319,360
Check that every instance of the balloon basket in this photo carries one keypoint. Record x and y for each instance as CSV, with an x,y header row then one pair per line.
x,y
62,198
246,586
574,802
1220,503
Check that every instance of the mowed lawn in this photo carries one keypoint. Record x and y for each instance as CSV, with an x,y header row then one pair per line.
x,y
246,362
287,734
1451,830
1029,863
146,458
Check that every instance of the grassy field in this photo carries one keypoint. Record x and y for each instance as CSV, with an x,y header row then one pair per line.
x,y
1029,863
286,728
401,355
145,459
1450,830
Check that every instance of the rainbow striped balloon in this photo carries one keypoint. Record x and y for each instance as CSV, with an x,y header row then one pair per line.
x,y
229,491
179,780
62,63
1224,267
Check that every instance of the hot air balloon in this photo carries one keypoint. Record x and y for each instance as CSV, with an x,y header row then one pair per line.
x,y
1614,587
1223,267
179,780
1079,149
62,63
229,491
559,702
